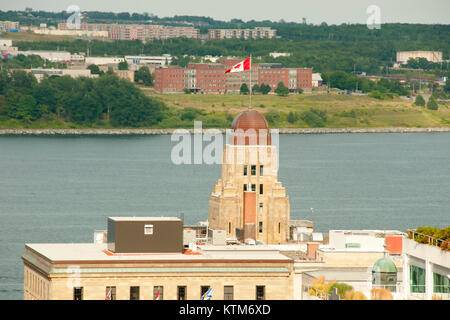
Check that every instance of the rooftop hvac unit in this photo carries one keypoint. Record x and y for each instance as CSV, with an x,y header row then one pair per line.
x,y
189,236
100,236
217,237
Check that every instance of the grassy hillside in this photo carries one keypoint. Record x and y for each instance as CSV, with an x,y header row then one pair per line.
x,y
341,110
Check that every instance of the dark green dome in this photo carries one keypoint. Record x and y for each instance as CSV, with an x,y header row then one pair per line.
x,y
384,265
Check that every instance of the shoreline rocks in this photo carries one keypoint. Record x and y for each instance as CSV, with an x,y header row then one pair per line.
x,y
63,132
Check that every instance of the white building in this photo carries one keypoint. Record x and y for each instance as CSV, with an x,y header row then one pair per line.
x,y
39,73
432,56
279,54
162,61
426,270
103,60
316,80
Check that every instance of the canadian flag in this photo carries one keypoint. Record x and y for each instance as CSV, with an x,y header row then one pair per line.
x,y
241,66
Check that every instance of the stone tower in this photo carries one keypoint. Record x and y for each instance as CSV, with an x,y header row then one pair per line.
x,y
249,200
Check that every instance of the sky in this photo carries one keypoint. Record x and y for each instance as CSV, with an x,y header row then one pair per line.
x,y
316,12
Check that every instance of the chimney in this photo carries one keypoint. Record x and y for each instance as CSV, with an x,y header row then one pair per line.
x,y
311,250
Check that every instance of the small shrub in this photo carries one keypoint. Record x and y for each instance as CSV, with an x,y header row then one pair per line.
x,y
355,295
381,294
420,101
342,288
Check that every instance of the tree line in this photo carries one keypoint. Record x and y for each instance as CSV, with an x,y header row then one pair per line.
x,y
106,100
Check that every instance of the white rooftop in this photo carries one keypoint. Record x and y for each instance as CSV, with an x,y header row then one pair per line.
x,y
98,252
144,218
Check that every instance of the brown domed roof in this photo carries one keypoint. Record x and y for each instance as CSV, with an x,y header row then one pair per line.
x,y
248,120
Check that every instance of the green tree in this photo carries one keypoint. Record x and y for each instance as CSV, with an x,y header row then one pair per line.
x,y
292,117
432,104
144,76
420,101
281,89
447,85
123,65
244,89
256,89
265,88
95,69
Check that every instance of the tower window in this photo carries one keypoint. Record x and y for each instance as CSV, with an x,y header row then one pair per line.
x,y
229,227
245,187
245,170
260,227
279,227
253,187
261,170
261,208
261,189
253,170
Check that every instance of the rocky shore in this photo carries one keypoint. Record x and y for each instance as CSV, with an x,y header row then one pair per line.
x,y
62,132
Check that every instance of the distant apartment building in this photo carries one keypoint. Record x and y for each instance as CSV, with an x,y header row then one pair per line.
x,y
432,56
211,77
163,60
138,32
9,26
279,54
255,33
55,56
40,73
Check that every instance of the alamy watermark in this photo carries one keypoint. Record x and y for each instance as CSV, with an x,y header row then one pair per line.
x,y
374,18
74,21
206,146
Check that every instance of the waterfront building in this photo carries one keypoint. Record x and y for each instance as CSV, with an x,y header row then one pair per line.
x,y
249,202
426,268
133,266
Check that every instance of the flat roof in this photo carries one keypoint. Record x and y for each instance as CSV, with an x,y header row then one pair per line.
x,y
144,218
98,252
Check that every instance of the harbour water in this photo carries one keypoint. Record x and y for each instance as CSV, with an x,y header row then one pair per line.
x,y
61,189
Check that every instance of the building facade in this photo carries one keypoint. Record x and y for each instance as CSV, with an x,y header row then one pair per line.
x,y
432,56
255,33
7,26
90,271
249,202
211,77
138,32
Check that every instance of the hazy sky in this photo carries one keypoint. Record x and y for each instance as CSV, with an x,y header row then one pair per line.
x,y
331,11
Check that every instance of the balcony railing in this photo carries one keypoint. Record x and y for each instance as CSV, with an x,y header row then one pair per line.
x,y
427,239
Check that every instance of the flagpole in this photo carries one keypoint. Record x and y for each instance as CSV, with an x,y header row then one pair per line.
x,y
250,106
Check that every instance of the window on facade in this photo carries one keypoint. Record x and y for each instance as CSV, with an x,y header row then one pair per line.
x,y
261,170
260,292
182,293
253,187
261,189
158,292
229,227
245,170
417,276
148,229
228,293
253,170
134,293
260,227
78,293
203,290
279,227
261,208
245,187
441,283
110,293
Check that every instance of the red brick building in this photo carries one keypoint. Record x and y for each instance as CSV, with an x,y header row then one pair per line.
x,y
211,77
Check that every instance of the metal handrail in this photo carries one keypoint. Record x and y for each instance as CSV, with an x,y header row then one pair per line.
x,y
431,240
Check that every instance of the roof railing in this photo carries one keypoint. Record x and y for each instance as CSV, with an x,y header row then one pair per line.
x,y
427,239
